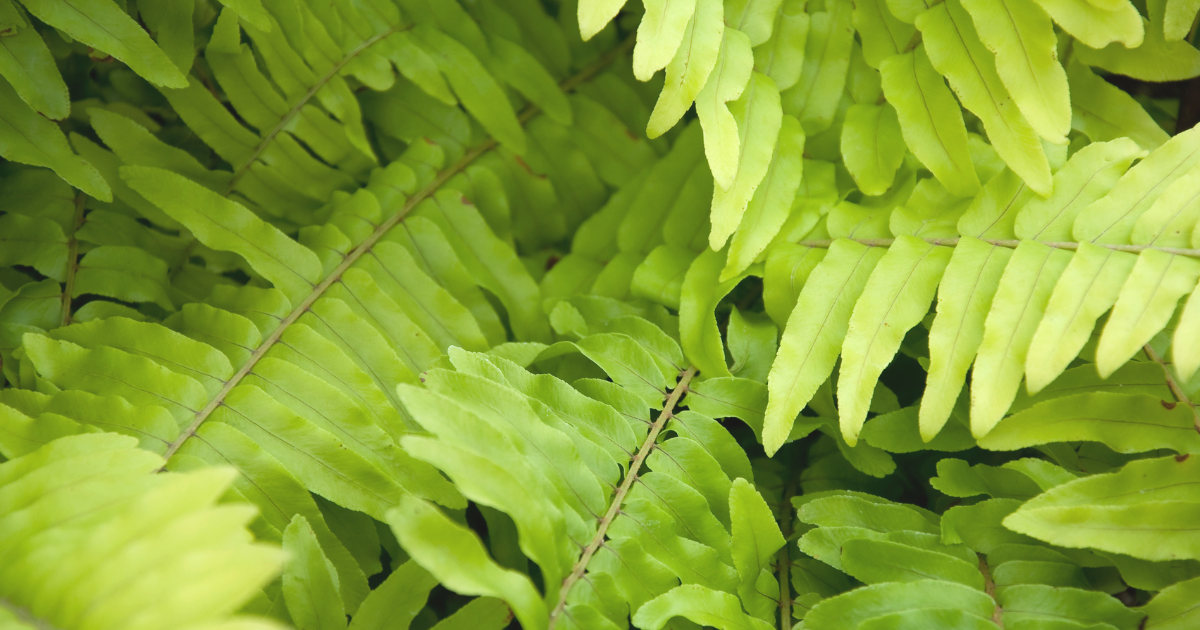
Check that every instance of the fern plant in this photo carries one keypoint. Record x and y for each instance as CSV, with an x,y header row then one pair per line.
x,y
439,314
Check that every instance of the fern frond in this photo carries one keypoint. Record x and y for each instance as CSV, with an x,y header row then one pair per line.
x,y
531,458
954,571
406,269
1030,288
93,538
295,386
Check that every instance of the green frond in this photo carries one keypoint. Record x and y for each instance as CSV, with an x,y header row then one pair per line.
x,y
93,537
439,314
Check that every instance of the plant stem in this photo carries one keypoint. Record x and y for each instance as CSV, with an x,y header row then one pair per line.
x,y
784,562
989,587
615,507
1176,390
1009,243
72,258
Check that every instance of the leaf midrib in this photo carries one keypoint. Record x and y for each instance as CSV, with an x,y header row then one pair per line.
x,y
668,412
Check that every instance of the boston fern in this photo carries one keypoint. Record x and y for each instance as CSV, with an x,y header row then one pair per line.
x,y
595,314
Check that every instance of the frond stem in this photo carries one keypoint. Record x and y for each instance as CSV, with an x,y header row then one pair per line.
x,y
72,258
351,258
1009,243
785,563
1176,390
989,587
619,498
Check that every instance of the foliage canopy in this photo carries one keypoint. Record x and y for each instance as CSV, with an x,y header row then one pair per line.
x,y
587,314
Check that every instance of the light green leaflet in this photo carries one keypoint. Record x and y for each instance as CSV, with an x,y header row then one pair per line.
x,y
398,600
698,331
881,561
458,557
1104,112
930,119
225,224
481,613
872,146
1021,35
772,201
1178,16
20,125
11,19
782,56
1174,608
786,271
930,212
502,274
907,10
521,70
1090,283
1125,423
729,79
813,334
27,64
171,25
1043,603
659,35
1131,511
697,604
1186,347
882,34
594,15
250,10
34,241
957,478
1154,60
956,52
515,489
759,118
814,99
895,298
689,70
1097,25
475,87
175,556
850,609
863,83
1018,305
128,274
1111,219
1172,218
755,18
310,583
964,299
756,538
1085,179
1145,305
119,36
